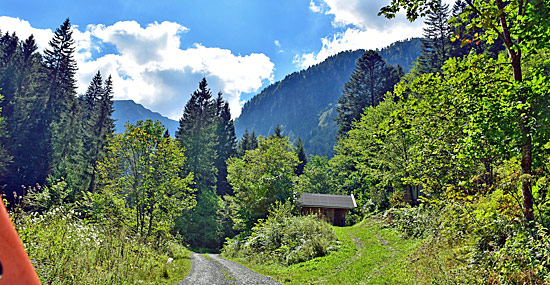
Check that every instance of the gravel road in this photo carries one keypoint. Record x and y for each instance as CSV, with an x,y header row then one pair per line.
x,y
212,269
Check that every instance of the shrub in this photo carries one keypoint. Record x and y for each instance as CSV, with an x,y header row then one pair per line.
x,y
284,238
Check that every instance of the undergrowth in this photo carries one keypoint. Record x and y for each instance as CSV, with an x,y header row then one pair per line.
x,y
64,248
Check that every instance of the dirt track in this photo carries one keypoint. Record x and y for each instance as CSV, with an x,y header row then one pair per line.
x,y
212,269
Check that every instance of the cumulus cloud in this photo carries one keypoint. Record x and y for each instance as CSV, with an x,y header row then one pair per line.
x,y
149,66
24,29
362,28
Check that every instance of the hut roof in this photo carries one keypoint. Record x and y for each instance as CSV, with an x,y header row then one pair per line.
x,y
327,201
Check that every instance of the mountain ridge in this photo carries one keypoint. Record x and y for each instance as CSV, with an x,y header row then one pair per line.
x,y
130,111
304,102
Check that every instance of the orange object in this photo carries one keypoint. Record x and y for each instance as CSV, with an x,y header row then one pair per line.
x,y
15,266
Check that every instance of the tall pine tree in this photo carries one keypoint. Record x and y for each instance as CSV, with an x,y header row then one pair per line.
x,y
197,134
97,125
22,81
227,145
63,110
368,84
436,39
302,157
247,142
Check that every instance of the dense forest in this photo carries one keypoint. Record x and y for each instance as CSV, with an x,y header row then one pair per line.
x,y
304,103
448,163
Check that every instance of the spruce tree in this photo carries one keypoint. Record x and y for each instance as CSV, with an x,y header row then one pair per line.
x,y
368,84
97,125
91,129
278,131
5,158
436,39
247,142
227,145
61,121
197,134
302,157
23,84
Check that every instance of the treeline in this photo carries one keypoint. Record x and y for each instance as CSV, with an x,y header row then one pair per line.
x,y
51,134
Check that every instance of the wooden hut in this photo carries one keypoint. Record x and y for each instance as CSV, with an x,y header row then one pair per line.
x,y
332,208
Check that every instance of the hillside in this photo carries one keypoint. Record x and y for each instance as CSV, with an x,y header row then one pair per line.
x,y
303,103
129,111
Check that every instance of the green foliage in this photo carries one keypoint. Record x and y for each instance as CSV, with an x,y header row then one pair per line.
x,y
197,135
475,127
379,155
5,158
41,199
262,177
247,142
285,239
226,146
317,177
199,227
141,182
66,249
97,126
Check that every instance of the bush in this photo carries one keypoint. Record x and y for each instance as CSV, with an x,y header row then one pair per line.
x,y
284,238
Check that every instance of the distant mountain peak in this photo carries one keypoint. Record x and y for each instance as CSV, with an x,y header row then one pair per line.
x,y
130,111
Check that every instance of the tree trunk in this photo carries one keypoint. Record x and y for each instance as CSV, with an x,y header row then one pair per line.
x,y
527,146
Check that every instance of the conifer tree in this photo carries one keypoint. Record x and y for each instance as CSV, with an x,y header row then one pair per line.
x,y
278,131
197,134
302,157
62,106
436,39
5,158
227,144
22,82
97,125
371,79
247,142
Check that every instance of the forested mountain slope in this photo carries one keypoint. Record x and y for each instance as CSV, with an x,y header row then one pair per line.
x,y
303,103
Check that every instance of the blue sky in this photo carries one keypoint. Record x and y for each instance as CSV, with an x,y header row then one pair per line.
x,y
157,51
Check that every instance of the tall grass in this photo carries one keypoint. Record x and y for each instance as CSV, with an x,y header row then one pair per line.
x,y
66,249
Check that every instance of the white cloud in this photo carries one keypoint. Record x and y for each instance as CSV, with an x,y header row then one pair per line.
x,y
313,7
362,28
150,67
24,29
354,39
